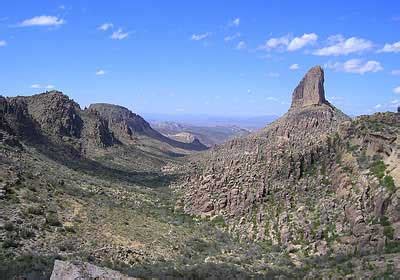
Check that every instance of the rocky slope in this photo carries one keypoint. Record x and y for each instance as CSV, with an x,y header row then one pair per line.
x,y
314,182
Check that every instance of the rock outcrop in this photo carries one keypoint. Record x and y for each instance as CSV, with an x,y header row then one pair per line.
x,y
310,91
64,270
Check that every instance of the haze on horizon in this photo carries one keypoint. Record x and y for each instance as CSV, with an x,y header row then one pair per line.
x,y
202,58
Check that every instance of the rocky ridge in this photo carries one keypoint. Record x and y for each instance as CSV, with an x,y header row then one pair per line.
x,y
299,183
52,117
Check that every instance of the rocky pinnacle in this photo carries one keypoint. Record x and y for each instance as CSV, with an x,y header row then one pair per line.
x,y
310,90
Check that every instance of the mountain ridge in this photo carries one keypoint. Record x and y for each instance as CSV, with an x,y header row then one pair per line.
x,y
274,185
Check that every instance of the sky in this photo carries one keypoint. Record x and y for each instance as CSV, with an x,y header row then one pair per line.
x,y
227,58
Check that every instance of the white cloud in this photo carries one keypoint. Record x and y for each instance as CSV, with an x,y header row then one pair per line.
x,y
106,26
42,21
37,86
294,66
289,44
199,37
235,22
232,37
338,45
241,45
274,43
391,48
3,43
301,42
356,66
395,72
100,72
377,106
396,90
119,34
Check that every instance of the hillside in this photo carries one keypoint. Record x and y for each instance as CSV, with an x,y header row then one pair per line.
x,y
314,182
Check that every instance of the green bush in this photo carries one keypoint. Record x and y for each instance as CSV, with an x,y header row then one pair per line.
x,y
52,220
388,231
388,183
378,168
392,247
10,243
35,210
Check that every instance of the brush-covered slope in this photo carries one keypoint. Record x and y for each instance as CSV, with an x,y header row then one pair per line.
x,y
314,181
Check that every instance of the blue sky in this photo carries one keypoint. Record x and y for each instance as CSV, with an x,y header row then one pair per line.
x,y
202,57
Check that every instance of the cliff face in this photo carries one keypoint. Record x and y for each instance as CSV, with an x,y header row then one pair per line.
x,y
290,184
310,91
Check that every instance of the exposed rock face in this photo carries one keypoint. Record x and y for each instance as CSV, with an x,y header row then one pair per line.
x,y
310,91
126,126
52,118
55,113
289,184
64,270
121,120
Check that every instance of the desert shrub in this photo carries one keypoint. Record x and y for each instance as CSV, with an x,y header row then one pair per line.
x,y
26,233
31,196
388,231
378,168
9,243
68,245
35,210
52,220
8,226
218,221
388,183
70,229
384,221
392,247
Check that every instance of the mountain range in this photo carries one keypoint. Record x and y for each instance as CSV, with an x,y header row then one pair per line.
x,y
98,192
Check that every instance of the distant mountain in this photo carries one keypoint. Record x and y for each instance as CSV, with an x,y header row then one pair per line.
x,y
246,122
125,124
209,135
